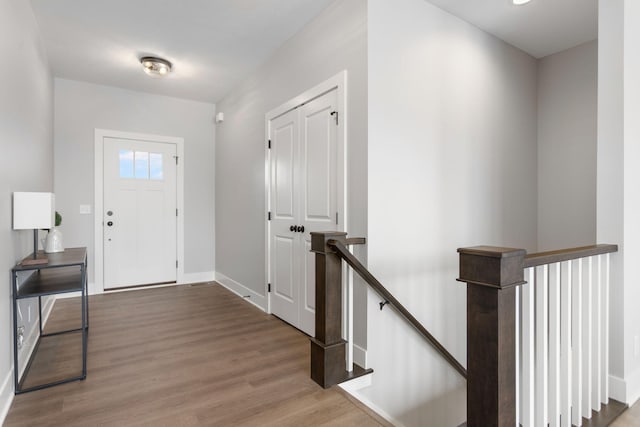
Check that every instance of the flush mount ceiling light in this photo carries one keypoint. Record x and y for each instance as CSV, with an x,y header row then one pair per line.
x,y
155,67
520,2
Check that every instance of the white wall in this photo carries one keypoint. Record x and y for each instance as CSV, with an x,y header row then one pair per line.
x,y
567,130
26,163
334,41
618,204
81,107
452,162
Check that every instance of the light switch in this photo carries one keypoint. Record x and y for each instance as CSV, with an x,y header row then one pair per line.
x,y
85,209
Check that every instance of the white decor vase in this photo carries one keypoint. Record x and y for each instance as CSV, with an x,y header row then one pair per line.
x,y
54,241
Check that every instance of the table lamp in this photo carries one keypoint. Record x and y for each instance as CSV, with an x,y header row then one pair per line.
x,y
33,211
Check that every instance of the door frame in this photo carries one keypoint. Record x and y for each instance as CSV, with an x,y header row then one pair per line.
x,y
100,134
339,83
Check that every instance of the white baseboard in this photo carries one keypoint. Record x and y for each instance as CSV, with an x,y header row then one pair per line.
x,y
6,396
617,389
360,356
205,276
625,390
7,387
353,387
239,289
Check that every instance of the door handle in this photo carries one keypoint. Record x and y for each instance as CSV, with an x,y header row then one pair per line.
x,y
292,228
300,229
110,223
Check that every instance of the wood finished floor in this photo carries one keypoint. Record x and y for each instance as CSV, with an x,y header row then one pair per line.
x,y
629,418
186,356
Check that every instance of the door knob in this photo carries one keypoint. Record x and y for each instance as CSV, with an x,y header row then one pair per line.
x,y
292,228
300,229
110,223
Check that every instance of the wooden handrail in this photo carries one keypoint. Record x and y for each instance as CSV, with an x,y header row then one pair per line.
x,y
550,257
350,259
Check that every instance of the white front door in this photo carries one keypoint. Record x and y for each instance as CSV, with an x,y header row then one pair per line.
x,y
303,198
139,213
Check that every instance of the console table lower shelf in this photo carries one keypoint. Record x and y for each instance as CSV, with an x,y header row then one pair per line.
x,y
52,359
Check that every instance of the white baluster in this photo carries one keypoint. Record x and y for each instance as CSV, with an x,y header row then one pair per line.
x,y
565,343
554,345
604,372
518,353
587,336
596,345
542,345
528,369
576,340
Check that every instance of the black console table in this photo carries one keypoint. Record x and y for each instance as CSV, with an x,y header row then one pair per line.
x,y
65,272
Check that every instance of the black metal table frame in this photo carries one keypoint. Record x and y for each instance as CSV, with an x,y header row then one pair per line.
x,y
84,327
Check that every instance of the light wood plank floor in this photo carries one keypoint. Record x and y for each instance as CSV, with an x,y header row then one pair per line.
x,y
630,418
185,356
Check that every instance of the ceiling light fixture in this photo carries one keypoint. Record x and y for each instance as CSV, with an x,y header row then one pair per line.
x,y
520,2
155,67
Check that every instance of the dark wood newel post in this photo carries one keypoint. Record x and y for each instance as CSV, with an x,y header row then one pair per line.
x,y
328,347
491,274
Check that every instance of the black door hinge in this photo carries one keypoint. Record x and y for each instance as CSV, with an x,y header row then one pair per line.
x,y
176,263
268,287
335,113
269,144
268,216
176,157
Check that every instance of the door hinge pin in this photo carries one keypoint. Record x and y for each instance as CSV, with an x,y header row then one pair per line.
x,y
176,263
269,216
269,144
336,218
268,287
176,211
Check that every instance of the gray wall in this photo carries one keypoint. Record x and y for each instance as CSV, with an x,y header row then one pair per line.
x,y
334,41
452,163
567,130
80,108
26,163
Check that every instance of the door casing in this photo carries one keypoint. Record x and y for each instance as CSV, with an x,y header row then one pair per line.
x,y
339,83
100,134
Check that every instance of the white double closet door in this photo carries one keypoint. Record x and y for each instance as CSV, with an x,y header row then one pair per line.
x,y
303,198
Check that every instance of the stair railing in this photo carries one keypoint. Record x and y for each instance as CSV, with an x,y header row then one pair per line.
x,y
328,347
537,335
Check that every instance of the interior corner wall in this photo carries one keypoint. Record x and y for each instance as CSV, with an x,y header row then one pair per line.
x,y
617,184
452,163
26,163
82,107
334,41
567,134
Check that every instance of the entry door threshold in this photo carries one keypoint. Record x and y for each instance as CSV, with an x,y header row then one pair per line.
x,y
148,285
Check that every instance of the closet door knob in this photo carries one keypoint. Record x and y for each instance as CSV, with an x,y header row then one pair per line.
x,y
300,229
292,228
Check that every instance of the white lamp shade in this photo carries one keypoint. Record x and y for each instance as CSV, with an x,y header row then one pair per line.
x,y
33,211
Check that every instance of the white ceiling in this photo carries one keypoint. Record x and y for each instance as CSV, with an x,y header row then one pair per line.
x,y
540,27
214,44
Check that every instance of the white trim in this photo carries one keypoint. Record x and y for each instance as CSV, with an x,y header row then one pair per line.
x,y
617,389
6,396
204,276
360,356
100,134
352,387
242,291
625,390
339,83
